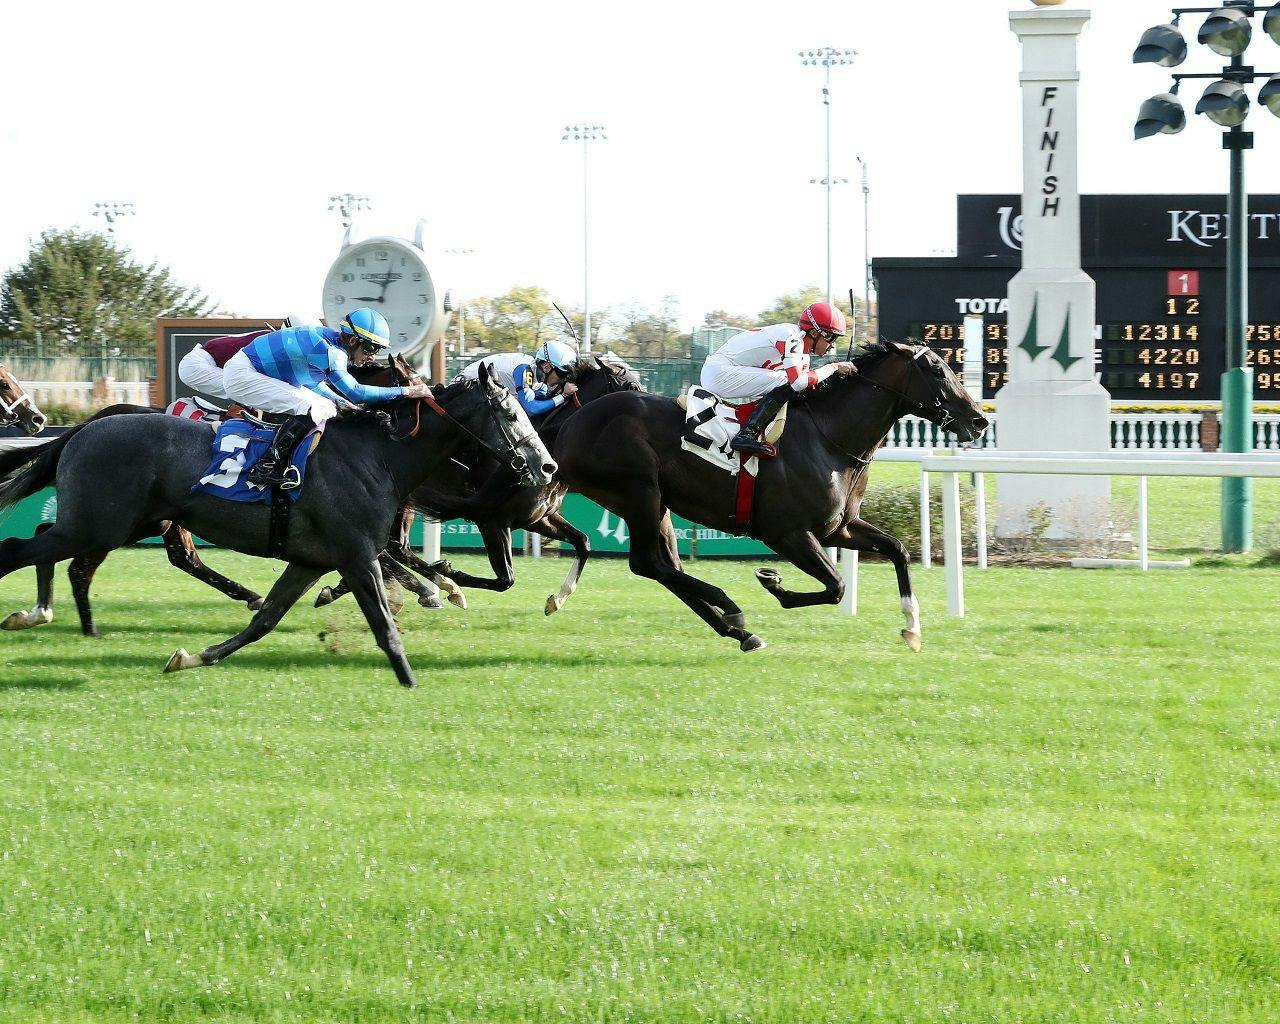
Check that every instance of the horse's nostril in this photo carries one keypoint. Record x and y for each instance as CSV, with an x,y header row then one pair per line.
x,y
549,468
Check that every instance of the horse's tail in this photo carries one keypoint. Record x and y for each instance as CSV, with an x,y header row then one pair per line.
x,y
43,459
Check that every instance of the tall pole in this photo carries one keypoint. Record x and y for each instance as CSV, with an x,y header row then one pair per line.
x,y
866,253
827,57
1237,381
586,133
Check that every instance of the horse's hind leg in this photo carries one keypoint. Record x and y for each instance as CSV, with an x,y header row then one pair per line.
x,y
80,572
181,550
556,527
291,585
43,610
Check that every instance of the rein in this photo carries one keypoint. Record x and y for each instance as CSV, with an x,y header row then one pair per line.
x,y
511,456
919,408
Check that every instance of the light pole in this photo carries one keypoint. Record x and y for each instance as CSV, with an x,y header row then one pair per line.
x,y
827,58
462,309
111,211
586,134
347,204
1227,31
866,254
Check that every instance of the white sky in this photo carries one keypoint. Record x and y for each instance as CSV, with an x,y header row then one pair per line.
x,y
230,124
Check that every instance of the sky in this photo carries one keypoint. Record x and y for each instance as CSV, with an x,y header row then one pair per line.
x,y
229,125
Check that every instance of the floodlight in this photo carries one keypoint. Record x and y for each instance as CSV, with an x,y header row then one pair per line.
x,y
1226,31
1161,45
1162,113
1225,103
1271,23
1269,95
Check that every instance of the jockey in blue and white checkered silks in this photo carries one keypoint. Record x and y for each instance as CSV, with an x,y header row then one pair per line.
x,y
303,371
540,382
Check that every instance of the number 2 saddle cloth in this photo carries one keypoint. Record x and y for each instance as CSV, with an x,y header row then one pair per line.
x,y
710,424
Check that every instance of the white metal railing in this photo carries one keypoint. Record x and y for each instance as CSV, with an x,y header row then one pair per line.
x,y
1259,466
80,392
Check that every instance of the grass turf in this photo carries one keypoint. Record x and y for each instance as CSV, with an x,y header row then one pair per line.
x,y
1064,809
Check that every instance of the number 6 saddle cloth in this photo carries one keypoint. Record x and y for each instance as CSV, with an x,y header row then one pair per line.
x,y
237,446
710,424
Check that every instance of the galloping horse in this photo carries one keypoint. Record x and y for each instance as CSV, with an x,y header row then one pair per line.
x,y
624,452
118,477
17,407
477,488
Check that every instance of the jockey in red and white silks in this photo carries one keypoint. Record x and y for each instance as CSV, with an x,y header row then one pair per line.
x,y
772,364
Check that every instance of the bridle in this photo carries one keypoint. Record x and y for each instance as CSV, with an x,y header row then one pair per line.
x,y
9,410
510,454
933,411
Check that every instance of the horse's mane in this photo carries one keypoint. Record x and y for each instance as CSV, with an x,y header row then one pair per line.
x,y
867,356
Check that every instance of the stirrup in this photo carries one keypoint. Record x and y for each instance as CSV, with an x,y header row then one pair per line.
x,y
744,443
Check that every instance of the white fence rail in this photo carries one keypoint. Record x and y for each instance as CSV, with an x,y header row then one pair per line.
x,y
80,392
1130,431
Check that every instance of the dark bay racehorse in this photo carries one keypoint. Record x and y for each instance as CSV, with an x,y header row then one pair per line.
x,y
624,452
478,488
118,477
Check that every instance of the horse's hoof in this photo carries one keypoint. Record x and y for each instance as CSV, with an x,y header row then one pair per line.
x,y
25,620
752,643
324,597
453,592
770,579
431,601
912,639
255,604
736,619
181,659
554,604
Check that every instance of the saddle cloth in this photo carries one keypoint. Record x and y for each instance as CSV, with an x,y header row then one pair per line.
x,y
710,424
237,446
197,408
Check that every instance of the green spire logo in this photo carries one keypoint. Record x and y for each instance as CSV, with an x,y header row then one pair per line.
x,y
1030,343
1062,354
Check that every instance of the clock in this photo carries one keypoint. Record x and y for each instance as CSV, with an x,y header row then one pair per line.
x,y
390,275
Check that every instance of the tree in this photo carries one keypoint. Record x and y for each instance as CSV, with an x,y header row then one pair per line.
x,y
787,308
722,318
82,293
646,333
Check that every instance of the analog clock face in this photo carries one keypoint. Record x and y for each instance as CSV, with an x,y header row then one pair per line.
x,y
388,276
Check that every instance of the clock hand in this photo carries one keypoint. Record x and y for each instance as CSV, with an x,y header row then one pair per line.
x,y
368,298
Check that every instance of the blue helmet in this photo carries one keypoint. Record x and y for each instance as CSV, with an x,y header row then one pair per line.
x,y
558,354
369,326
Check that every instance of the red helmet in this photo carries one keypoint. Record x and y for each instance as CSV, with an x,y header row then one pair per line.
x,y
822,316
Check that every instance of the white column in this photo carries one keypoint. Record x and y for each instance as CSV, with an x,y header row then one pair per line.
x,y
431,541
980,517
951,546
926,528
1052,400
849,573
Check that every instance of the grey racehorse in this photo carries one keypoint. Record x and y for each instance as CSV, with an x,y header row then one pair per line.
x,y
117,478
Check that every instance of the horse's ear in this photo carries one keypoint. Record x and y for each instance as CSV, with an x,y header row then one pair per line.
x,y
485,376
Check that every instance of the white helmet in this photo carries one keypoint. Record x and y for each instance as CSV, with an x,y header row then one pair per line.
x,y
558,354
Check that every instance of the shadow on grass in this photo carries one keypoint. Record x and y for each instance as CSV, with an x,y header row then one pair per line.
x,y
41,678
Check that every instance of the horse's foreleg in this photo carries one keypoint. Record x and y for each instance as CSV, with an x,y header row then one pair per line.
x,y
555,527
859,535
181,550
802,550
291,585
497,545
366,583
43,610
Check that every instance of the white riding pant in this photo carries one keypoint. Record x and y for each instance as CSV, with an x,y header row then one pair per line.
x,y
736,383
256,390
198,370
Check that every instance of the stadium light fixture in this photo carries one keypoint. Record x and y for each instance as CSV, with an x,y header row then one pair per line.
x,y
1225,103
1227,31
1161,45
827,57
1269,95
1271,23
1162,113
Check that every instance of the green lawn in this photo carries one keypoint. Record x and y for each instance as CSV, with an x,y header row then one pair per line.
x,y
1063,809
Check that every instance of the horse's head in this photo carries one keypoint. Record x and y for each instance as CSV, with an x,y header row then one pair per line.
x,y
926,386
16,406
597,377
492,416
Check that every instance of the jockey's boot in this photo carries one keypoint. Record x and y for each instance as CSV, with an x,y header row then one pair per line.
x,y
274,468
747,440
